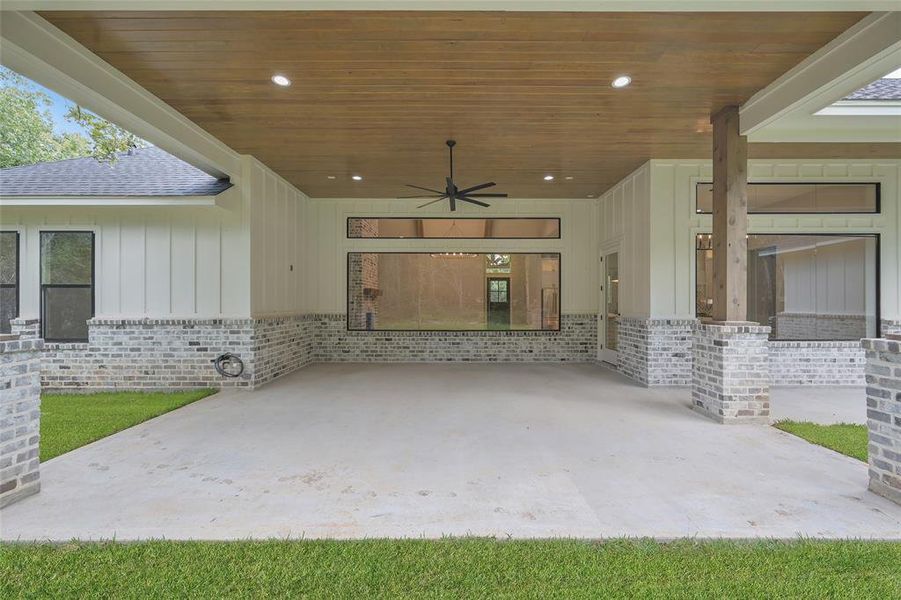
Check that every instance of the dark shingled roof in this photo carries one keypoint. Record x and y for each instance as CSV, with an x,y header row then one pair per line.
x,y
881,89
143,172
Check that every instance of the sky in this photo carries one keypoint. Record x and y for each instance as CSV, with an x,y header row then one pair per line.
x,y
58,111
58,108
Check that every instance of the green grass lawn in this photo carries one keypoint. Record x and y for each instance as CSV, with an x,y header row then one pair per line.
x,y
453,568
69,421
847,438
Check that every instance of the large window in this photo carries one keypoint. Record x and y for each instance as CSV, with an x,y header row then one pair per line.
x,y
805,287
523,228
67,284
792,198
9,278
453,291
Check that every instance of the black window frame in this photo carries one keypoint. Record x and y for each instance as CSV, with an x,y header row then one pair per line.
x,y
44,287
18,284
874,235
877,209
347,290
420,217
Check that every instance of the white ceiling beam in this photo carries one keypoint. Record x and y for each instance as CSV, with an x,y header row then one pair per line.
x,y
41,52
865,52
464,5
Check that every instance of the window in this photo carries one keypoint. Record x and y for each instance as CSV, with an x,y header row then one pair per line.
x,y
67,284
444,228
453,291
804,286
9,278
791,198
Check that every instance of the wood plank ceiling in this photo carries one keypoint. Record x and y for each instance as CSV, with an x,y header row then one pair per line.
x,y
524,94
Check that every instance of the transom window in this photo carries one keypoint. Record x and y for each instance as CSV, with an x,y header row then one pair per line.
x,y
67,285
453,291
791,198
523,228
804,286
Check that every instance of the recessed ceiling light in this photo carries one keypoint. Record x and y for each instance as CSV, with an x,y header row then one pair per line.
x,y
357,177
548,177
621,81
281,80
330,176
568,177
590,196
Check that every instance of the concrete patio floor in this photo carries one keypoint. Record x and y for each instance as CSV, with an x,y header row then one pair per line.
x,y
353,450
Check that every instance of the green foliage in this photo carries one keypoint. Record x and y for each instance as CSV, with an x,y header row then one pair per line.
x,y
452,568
848,438
107,139
69,421
26,128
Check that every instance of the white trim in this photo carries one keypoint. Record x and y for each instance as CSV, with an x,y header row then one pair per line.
x,y
15,201
463,5
860,55
866,108
36,49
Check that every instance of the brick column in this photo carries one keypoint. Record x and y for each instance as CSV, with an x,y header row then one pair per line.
x,y
20,417
26,329
730,372
884,414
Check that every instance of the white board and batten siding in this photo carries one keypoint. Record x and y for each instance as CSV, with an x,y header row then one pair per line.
x,y
277,243
650,218
327,245
170,262
624,228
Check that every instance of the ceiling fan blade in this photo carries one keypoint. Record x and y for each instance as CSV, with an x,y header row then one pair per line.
x,y
424,188
474,188
497,195
469,199
419,196
432,202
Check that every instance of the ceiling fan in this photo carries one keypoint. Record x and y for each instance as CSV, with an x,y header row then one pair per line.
x,y
452,192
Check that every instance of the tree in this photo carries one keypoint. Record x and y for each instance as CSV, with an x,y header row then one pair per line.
x,y
26,128
107,139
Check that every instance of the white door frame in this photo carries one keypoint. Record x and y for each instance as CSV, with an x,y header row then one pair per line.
x,y
605,354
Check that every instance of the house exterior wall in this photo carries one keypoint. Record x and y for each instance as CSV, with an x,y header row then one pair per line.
x,y
327,244
675,222
277,214
272,256
156,262
649,218
177,286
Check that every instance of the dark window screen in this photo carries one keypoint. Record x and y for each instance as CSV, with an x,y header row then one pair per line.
x,y
67,284
9,278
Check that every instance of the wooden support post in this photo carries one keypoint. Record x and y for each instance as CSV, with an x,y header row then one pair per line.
x,y
730,217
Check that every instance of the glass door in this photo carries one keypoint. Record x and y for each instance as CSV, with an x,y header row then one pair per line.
x,y
610,308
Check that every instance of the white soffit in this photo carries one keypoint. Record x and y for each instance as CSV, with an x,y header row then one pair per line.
x,y
785,111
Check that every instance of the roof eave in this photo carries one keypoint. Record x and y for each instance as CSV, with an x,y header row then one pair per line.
x,y
171,201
